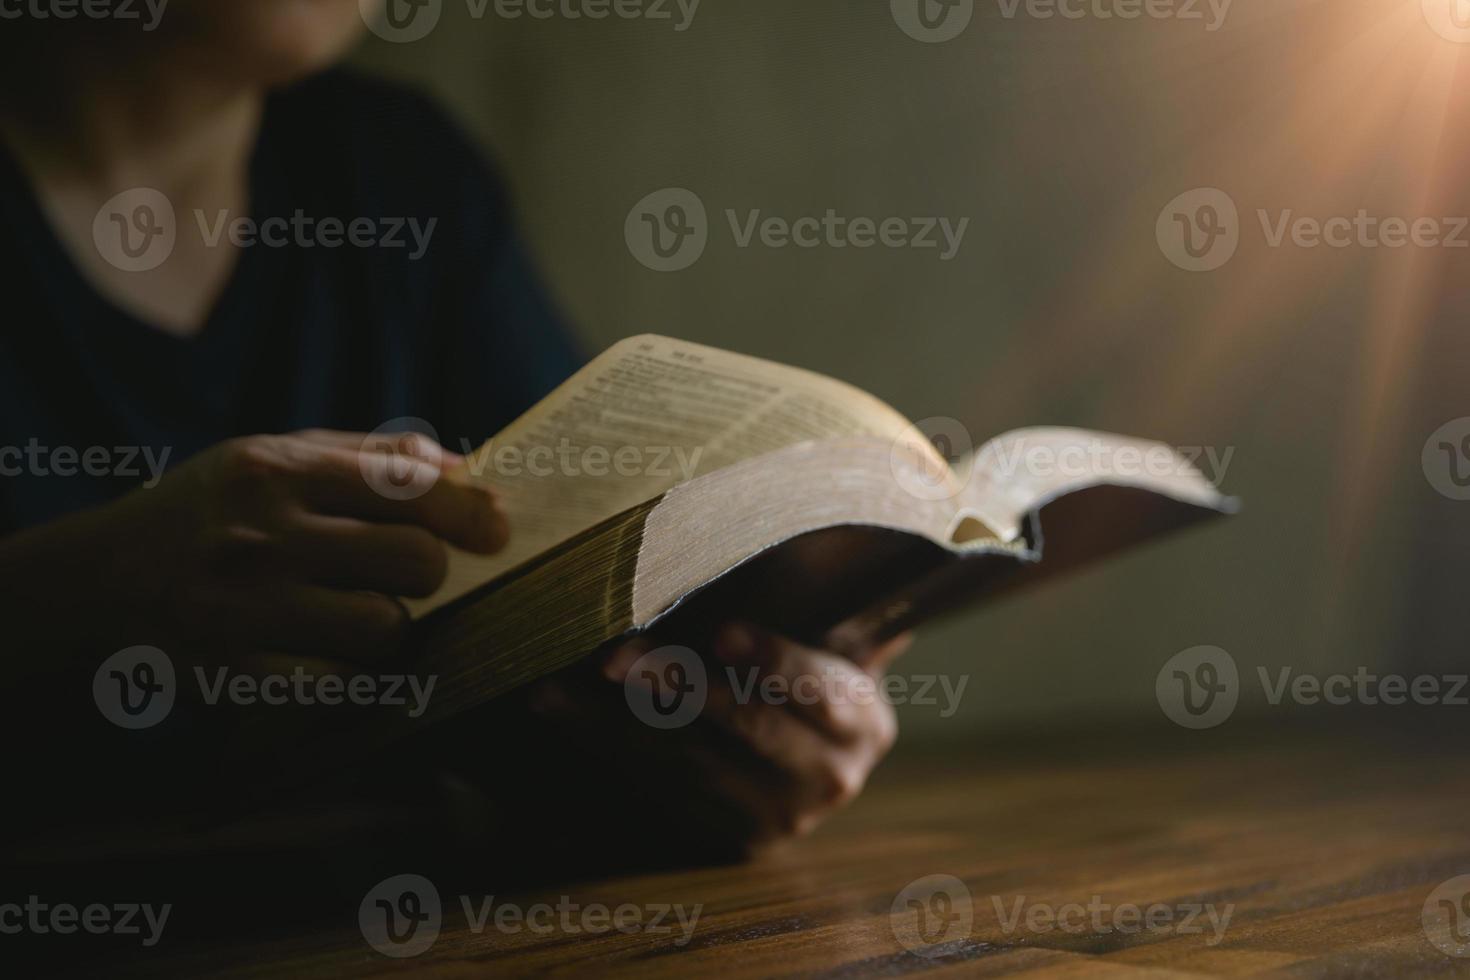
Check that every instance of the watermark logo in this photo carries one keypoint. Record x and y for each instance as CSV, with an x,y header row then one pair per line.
x,y
1198,688
667,231
1446,459
136,230
401,916
932,21
667,688
1446,917
1450,19
921,475
1199,230
135,688
931,914
401,21
393,461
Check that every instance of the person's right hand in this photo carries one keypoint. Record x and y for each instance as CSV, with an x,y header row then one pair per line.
x,y
289,545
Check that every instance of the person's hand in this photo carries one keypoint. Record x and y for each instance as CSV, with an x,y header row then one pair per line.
x,y
748,770
290,545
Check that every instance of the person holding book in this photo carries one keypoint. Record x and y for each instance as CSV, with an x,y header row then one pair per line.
x,y
226,261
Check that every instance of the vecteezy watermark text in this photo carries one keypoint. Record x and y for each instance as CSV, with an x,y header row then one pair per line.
x,y
392,459
1201,687
1077,455
1211,13
136,688
834,686
1200,230
669,687
34,459
1128,918
147,13
937,21
934,915
1096,457
405,21
402,916
137,231
301,687
668,231
569,459
302,230
63,918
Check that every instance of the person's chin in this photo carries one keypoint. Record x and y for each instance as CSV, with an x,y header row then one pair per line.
x,y
278,49
274,65
282,67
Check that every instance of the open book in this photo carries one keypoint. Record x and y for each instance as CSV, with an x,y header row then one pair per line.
x,y
668,485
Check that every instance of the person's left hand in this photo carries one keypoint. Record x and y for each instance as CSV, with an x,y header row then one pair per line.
x,y
751,768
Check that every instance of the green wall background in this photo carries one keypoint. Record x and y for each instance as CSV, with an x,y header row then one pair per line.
x,y
1061,141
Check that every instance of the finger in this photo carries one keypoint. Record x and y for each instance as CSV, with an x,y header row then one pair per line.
x,y
409,443
721,785
757,801
830,693
766,728
400,489
414,444
783,769
348,554
773,771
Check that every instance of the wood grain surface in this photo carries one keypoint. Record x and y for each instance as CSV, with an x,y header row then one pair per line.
x,y
1322,852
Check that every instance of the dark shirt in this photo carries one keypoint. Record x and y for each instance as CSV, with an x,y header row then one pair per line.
x,y
351,337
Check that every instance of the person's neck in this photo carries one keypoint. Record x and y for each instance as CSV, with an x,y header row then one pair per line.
x,y
98,121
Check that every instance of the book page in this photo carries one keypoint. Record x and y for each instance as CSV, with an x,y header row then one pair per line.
x,y
648,414
1018,472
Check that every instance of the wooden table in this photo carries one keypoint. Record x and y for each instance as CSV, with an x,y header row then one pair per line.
x,y
1322,850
